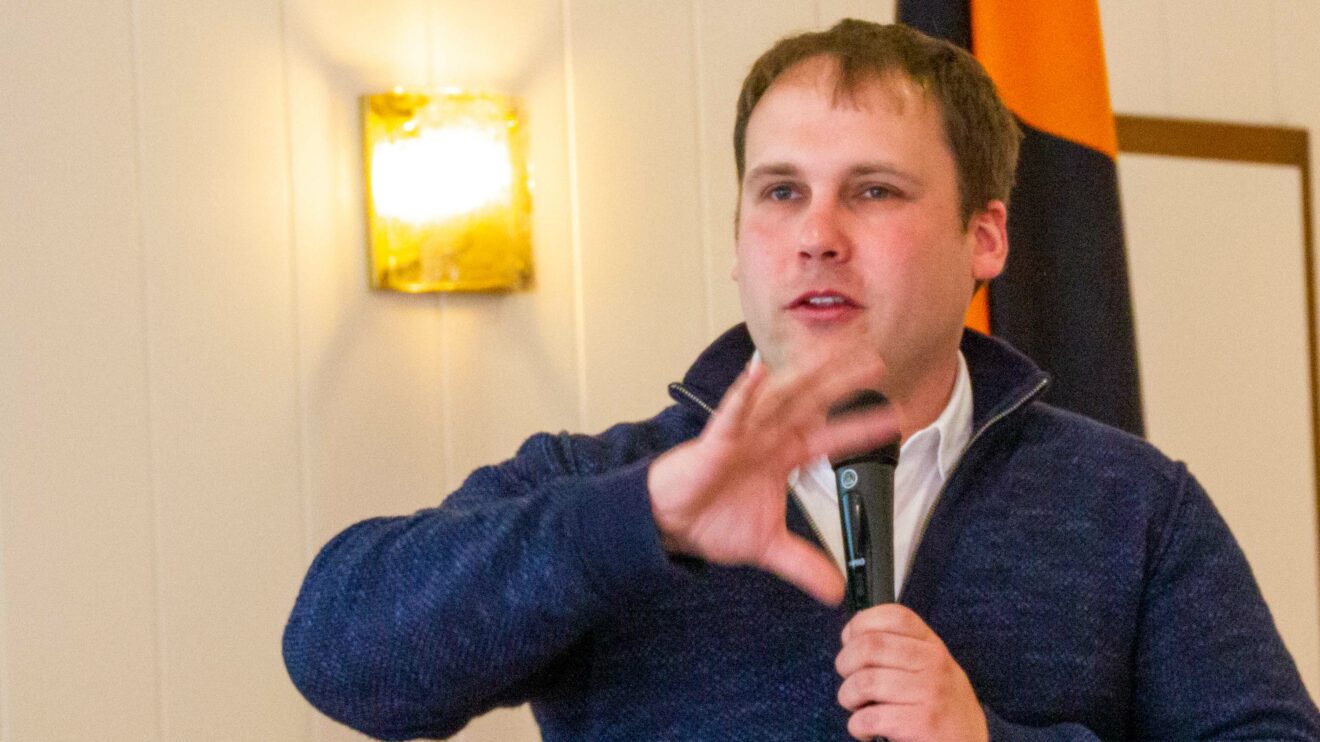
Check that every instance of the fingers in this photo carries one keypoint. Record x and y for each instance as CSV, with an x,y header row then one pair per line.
x,y
788,411
812,390
900,682
882,719
738,400
798,562
885,639
892,618
884,685
875,649
919,719
797,405
793,396
858,432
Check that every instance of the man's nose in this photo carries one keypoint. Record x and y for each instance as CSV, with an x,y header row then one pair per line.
x,y
822,235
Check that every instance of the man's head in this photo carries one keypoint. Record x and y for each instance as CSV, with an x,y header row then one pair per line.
x,y
862,229
978,128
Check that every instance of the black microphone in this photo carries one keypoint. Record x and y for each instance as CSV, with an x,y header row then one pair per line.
x,y
866,509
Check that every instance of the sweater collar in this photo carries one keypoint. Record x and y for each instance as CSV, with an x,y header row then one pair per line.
x,y
1002,377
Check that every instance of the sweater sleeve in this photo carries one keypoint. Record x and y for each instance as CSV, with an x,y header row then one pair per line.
x,y
410,626
1209,662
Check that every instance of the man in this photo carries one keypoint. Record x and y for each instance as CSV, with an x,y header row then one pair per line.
x,y
1060,580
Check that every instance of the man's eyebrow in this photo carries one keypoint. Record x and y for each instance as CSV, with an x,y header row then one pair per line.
x,y
881,168
772,169
778,169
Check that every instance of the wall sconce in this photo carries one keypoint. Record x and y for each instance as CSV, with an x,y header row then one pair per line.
x,y
448,205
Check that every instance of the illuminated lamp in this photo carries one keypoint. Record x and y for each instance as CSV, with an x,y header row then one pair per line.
x,y
448,200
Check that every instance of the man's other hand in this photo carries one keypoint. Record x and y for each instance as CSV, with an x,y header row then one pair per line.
x,y
900,682
723,495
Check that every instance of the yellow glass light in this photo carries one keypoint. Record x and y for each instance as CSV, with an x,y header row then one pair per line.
x,y
448,204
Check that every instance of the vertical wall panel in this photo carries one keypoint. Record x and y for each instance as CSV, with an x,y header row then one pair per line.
x,y
222,363
75,490
1296,31
1221,60
1136,55
643,279
1297,58
730,36
369,362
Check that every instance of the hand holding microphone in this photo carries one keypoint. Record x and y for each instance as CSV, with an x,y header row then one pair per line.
x,y
899,680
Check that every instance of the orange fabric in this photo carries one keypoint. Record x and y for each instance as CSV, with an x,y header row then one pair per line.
x,y
978,314
1048,61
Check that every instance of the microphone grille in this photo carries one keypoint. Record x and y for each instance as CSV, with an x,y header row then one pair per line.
x,y
860,402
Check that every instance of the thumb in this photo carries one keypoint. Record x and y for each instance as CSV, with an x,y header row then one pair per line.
x,y
803,565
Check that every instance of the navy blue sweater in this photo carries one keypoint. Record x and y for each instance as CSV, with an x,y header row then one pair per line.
x,y
1084,582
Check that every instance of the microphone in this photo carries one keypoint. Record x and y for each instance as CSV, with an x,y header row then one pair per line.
x,y
866,510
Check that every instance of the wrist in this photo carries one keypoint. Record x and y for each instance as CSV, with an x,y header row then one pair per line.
x,y
661,483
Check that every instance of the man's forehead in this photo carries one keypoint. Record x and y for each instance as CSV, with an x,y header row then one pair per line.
x,y
892,88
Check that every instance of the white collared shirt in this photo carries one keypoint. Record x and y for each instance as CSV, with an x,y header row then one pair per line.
x,y
924,463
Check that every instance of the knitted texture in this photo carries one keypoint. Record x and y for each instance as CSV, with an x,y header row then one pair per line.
x,y
1084,582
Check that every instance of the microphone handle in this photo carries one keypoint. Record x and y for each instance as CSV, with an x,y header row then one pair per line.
x,y
866,506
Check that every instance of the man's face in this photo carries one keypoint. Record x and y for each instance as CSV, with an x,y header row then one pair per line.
x,y
850,238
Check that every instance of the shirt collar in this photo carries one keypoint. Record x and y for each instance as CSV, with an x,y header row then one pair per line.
x,y
952,429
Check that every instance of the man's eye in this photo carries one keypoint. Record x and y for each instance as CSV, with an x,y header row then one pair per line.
x,y
875,192
780,193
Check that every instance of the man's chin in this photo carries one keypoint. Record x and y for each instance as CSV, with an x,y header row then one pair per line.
x,y
812,350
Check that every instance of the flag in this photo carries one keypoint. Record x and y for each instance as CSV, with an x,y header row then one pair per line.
x,y
1063,298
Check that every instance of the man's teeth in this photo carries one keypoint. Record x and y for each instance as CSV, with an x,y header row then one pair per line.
x,y
825,301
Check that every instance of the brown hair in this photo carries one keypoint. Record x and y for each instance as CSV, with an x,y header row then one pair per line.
x,y
979,130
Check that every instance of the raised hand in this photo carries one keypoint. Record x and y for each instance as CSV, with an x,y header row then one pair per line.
x,y
901,683
722,496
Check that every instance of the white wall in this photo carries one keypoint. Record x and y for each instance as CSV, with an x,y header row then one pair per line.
x,y
1216,257
197,390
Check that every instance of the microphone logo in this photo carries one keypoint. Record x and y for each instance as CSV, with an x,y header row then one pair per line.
x,y
848,478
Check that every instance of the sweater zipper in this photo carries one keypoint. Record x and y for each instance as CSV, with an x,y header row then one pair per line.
x,y
677,387
963,453
1000,416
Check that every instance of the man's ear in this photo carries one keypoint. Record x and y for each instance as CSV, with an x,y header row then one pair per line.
x,y
987,230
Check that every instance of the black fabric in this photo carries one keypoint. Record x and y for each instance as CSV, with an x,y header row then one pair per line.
x,y
1063,299
943,19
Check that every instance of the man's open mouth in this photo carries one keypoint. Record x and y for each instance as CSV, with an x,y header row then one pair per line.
x,y
822,300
